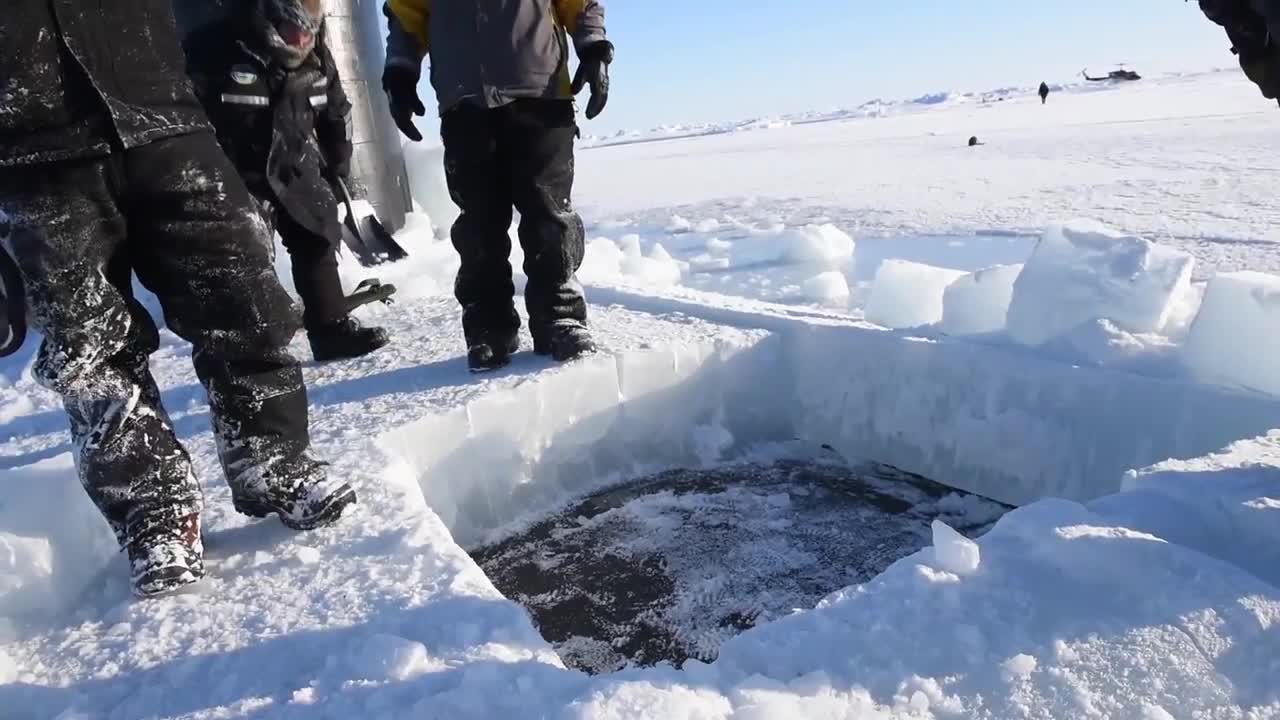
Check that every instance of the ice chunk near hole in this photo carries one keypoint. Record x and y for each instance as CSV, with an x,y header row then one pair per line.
x,y
716,246
979,302
826,245
954,552
1100,342
828,288
709,225
1235,339
679,225
387,657
602,261
630,245
1019,666
8,669
658,269
1186,305
908,294
1083,270
45,566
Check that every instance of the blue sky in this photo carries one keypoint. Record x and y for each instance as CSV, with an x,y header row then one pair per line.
x,y
699,60
690,60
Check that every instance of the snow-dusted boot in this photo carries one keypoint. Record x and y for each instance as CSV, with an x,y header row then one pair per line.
x,y
346,338
565,341
300,491
492,351
165,555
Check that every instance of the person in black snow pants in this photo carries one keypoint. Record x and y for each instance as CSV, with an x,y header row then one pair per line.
x,y
1044,93
108,166
501,75
272,90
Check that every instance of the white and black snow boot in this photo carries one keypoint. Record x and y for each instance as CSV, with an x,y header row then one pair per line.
x,y
492,351
300,492
165,555
344,339
565,341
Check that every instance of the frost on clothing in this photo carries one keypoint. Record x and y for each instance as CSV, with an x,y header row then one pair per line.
x,y
199,249
81,78
284,129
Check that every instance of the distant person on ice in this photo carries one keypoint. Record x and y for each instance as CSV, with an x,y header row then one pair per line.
x,y
274,98
107,163
501,75
1253,26
1044,93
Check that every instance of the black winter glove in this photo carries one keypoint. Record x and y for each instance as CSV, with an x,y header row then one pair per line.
x,y
593,70
338,162
1251,40
401,85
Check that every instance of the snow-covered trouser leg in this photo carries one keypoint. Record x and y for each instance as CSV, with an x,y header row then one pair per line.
x,y
537,142
313,260
69,240
199,243
479,183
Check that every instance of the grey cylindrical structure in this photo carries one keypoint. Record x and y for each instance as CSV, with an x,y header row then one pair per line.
x,y
354,35
355,38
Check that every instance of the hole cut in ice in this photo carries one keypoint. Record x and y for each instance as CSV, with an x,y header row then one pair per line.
x,y
667,567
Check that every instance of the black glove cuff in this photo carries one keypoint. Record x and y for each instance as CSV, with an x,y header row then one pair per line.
x,y
399,77
600,50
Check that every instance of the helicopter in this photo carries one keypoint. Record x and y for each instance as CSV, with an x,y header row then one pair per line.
x,y
1121,74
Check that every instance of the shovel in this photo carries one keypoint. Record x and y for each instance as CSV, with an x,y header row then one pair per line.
x,y
371,242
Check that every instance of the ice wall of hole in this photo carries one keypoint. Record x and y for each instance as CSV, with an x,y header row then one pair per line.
x,y
1000,424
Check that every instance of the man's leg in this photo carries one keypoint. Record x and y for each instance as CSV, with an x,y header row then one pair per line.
x,y
479,187
313,260
537,139
67,241
198,242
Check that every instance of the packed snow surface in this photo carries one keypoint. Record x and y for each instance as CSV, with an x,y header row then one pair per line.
x,y
1127,585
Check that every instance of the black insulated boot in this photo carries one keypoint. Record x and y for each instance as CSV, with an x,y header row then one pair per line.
x,y
565,341
492,351
165,555
344,339
300,492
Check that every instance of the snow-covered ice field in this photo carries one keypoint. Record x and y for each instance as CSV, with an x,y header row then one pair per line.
x,y
1079,317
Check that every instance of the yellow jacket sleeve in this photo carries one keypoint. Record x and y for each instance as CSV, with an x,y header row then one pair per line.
x,y
414,17
582,19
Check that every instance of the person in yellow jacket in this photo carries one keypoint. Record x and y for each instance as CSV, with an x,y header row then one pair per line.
x,y
500,70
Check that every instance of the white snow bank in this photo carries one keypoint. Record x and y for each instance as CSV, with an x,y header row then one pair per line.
x,y
979,302
908,294
1083,271
1070,615
1235,340
1226,504
44,566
